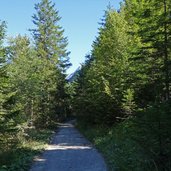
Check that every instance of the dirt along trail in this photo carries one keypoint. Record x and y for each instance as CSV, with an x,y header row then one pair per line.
x,y
69,151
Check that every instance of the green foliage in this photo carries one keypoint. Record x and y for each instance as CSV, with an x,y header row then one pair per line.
x,y
137,144
127,80
105,75
7,120
26,80
128,101
50,48
36,73
118,149
32,142
48,35
124,84
150,24
152,132
33,89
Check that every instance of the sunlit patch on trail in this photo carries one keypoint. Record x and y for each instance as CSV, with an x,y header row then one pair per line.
x,y
67,147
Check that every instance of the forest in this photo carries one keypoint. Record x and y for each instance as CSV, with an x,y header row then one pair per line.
x,y
120,96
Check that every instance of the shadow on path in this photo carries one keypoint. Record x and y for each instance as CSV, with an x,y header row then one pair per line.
x,y
69,151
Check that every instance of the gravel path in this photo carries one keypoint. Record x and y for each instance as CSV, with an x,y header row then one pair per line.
x,y
69,151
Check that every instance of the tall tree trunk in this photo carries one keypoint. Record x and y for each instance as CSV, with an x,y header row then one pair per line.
x,y
166,52
32,111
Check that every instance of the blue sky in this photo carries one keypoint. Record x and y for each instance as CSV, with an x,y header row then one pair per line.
x,y
79,19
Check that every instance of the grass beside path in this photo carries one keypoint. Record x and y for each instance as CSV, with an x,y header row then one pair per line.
x,y
20,157
119,150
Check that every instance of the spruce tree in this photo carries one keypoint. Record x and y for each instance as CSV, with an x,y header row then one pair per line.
x,y
48,35
25,79
150,24
51,46
2,81
7,122
105,75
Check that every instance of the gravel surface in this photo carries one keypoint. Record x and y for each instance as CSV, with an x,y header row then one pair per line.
x,y
69,151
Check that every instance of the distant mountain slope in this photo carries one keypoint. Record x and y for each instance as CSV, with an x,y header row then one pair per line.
x,y
73,76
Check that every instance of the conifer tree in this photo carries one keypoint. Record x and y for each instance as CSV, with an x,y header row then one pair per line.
x,y
2,79
48,35
7,123
51,46
106,74
149,22
25,79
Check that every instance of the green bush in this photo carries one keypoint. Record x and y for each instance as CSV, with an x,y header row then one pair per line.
x,y
141,143
19,158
